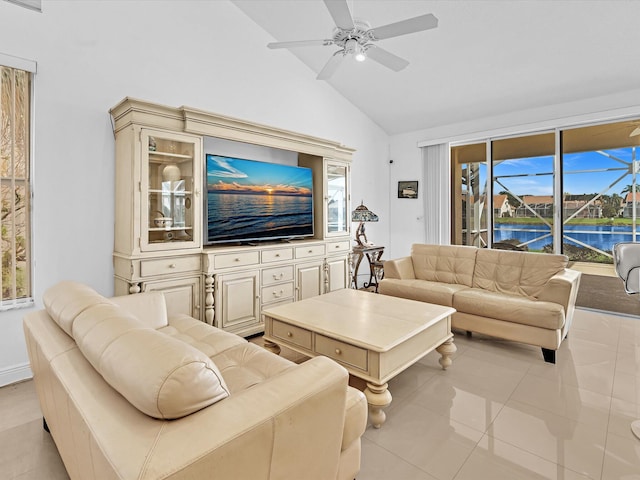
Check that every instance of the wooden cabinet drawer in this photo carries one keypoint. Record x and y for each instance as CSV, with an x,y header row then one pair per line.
x,y
163,266
277,292
342,352
310,251
289,333
269,256
338,247
238,259
277,275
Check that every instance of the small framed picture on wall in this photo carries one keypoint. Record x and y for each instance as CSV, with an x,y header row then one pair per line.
x,y
408,189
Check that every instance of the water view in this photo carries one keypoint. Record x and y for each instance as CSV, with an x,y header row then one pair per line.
x,y
602,237
245,216
250,200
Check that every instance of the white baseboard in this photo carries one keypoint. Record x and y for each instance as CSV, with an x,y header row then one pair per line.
x,y
14,374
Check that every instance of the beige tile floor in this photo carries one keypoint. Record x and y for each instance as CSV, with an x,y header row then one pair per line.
x,y
498,413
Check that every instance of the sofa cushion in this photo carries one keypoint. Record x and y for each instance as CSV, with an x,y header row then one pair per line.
x,y
65,300
159,375
510,308
444,263
209,340
421,290
248,364
520,273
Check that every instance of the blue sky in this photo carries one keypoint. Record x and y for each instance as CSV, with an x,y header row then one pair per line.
x,y
573,183
239,175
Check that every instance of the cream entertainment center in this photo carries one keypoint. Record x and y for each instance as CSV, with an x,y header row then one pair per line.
x,y
161,218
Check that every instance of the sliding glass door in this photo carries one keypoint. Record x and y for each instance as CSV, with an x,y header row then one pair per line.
x,y
523,192
599,179
469,191
571,191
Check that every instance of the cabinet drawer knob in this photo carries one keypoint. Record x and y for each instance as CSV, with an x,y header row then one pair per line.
x,y
338,351
278,294
172,265
337,246
277,255
278,277
310,251
289,334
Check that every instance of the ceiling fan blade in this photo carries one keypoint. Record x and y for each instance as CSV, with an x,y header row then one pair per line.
x,y
331,66
386,58
411,25
300,43
339,10
635,132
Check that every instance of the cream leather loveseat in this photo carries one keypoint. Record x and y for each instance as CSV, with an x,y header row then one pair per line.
x,y
520,296
128,393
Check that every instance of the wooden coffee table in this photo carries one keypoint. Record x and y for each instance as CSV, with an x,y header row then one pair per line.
x,y
375,337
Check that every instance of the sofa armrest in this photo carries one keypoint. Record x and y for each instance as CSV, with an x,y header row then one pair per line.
x,y
149,308
289,426
562,288
400,268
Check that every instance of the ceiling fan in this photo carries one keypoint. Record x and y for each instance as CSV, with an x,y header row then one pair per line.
x,y
356,37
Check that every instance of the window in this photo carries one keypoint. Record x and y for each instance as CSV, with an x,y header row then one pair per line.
x,y
15,234
573,190
600,165
523,192
469,164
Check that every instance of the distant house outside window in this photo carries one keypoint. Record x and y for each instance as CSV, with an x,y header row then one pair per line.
x,y
15,191
573,190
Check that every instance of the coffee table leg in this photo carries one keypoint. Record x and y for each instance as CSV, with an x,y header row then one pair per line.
x,y
447,349
272,347
378,397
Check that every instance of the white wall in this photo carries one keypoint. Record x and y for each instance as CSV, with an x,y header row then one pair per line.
x,y
206,55
406,216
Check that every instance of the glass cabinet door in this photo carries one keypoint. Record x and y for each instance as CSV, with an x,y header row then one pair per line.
x,y
170,190
337,199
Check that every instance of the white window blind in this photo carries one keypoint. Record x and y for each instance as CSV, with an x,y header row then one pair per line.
x,y
437,194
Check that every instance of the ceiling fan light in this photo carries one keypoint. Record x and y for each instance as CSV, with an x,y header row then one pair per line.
x,y
354,48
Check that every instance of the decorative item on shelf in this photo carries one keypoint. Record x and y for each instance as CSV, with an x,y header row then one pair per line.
x,y
362,214
161,221
152,144
171,173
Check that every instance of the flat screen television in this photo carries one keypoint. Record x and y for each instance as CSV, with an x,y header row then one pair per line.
x,y
248,200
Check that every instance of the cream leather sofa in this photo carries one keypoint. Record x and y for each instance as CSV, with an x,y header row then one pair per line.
x,y
128,393
520,296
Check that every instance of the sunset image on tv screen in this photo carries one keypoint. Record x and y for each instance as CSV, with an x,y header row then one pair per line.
x,y
252,200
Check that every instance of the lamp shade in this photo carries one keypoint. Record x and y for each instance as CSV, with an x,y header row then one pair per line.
x,y
363,214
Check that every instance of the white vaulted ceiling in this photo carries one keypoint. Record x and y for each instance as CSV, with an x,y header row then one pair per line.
x,y
486,58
